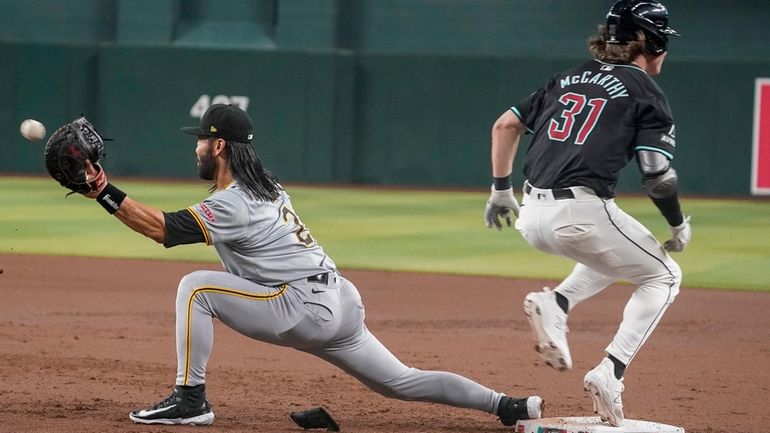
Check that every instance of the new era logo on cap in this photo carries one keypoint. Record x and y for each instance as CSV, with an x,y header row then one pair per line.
x,y
224,121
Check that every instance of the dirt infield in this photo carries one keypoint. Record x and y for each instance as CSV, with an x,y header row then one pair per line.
x,y
84,341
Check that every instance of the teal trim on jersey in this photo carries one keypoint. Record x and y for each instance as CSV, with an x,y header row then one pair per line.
x,y
516,112
619,65
655,149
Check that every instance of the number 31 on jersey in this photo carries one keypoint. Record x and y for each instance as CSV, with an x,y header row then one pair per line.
x,y
561,129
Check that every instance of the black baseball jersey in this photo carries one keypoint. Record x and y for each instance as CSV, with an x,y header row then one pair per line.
x,y
589,121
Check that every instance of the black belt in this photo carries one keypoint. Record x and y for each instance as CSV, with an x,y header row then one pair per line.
x,y
558,193
320,278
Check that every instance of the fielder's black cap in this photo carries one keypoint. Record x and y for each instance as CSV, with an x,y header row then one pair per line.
x,y
224,121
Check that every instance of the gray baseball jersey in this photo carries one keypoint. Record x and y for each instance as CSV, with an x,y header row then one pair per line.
x,y
280,287
264,242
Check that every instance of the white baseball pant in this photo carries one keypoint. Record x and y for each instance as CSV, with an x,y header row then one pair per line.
x,y
608,245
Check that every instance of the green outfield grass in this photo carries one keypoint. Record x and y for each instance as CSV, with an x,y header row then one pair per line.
x,y
426,231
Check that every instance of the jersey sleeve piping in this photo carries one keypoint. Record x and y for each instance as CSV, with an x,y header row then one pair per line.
x,y
516,112
204,230
655,149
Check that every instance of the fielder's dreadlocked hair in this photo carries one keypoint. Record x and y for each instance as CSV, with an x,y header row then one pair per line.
x,y
247,169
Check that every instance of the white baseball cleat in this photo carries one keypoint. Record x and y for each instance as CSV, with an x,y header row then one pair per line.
x,y
605,389
549,326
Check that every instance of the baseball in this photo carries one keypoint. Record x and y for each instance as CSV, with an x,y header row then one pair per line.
x,y
32,130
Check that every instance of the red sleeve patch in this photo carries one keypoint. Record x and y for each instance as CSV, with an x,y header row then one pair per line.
x,y
207,212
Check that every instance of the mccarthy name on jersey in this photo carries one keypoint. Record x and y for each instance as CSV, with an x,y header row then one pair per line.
x,y
614,87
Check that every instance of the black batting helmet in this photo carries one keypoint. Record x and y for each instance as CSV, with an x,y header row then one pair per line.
x,y
626,17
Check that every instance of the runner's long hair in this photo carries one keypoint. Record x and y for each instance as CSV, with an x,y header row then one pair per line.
x,y
247,169
615,53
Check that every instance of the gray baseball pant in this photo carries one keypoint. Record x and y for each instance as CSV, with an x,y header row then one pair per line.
x,y
326,320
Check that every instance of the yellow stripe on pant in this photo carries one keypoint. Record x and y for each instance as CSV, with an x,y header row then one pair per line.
x,y
224,291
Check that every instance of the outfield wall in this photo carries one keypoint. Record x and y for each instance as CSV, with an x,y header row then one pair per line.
x,y
398,92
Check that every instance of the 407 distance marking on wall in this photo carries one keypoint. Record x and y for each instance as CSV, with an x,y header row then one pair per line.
x,y
205,101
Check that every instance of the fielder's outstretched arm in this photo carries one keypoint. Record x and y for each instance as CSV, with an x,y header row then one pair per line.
x,y
142,219
167,228
138,217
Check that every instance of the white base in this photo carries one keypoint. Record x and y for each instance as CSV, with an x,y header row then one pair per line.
x,y
591,424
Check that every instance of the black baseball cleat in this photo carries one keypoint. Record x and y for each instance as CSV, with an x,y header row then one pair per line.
x,y
317,417
511,410
187,405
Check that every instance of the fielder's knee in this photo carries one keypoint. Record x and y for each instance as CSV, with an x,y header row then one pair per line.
x,y
189,283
